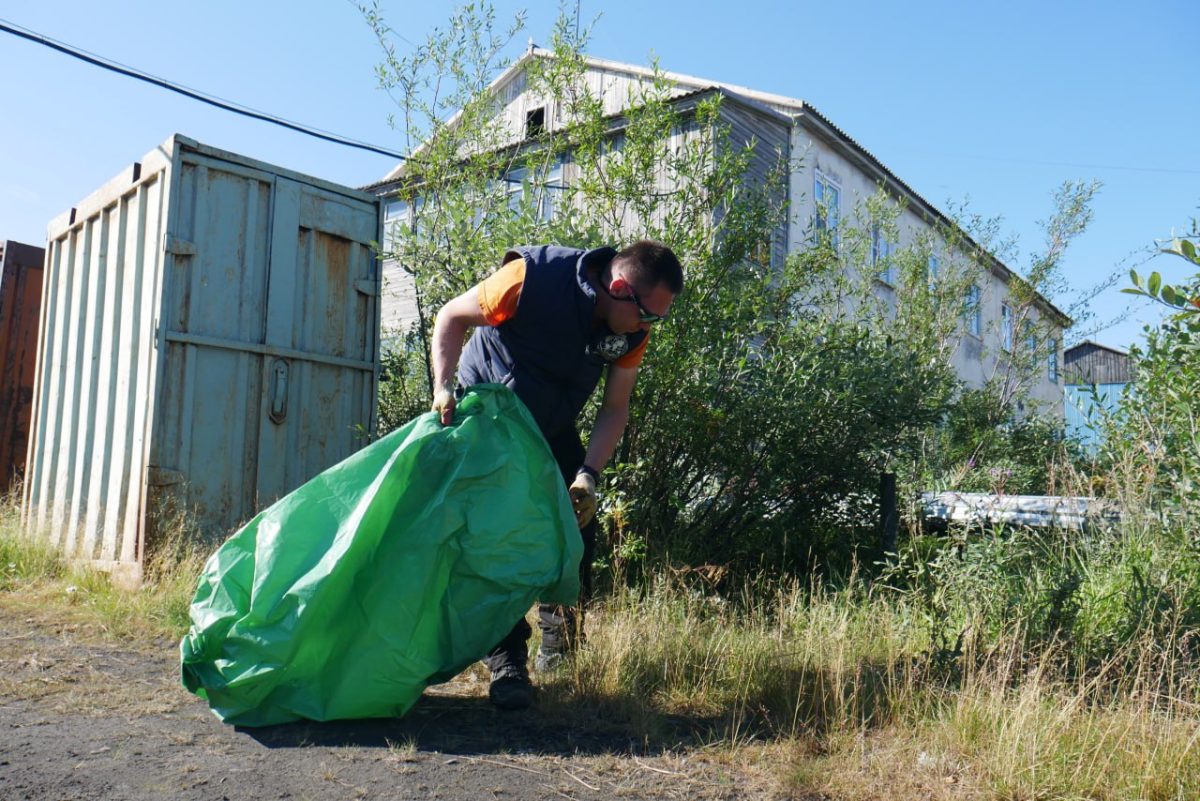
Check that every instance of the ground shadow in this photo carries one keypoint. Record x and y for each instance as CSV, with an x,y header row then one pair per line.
x,y
796,700
472,726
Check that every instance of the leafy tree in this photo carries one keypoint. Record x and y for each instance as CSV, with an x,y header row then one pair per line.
x,y
1161,405
779,389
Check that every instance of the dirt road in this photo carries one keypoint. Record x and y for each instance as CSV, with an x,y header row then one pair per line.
x,y
83,716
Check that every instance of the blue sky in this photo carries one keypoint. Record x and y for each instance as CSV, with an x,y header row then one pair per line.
x,y
994,103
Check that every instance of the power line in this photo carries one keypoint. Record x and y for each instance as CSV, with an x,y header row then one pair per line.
x,y
194,94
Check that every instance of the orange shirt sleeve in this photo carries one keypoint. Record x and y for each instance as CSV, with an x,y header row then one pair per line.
x,y
500,291
634,357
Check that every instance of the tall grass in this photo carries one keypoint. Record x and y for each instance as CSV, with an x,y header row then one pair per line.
x,y
1024,667
39,576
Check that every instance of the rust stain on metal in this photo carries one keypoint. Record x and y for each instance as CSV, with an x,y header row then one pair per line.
x,y
20,310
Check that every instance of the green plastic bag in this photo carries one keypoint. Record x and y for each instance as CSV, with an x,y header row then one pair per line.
x,y
390,571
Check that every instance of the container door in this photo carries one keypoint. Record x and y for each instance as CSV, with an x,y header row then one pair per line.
x,y
321,331
270,339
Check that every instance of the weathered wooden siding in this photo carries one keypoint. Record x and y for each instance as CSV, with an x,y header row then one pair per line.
x,y
771,138
1090,363
614,88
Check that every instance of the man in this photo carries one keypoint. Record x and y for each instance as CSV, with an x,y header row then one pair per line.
x,y
547,324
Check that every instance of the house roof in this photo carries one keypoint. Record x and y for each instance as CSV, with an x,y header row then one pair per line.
x,y
781,107
1093,343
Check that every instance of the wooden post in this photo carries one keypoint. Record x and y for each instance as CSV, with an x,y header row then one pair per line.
x,y
889,515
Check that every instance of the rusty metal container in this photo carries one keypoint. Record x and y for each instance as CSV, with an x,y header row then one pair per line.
x,y
20,306
209,341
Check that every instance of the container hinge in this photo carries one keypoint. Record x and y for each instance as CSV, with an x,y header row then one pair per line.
x,y
178,247
163,476
367,286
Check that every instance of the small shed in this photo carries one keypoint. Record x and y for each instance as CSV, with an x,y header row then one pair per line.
x,y
20,304
1095,376
209,341
1090,362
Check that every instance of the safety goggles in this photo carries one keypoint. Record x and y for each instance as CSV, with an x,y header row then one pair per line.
x,y
644,315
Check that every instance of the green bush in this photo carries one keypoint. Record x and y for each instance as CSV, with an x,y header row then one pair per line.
x,y
1161,404
781,387
983,445
1131,587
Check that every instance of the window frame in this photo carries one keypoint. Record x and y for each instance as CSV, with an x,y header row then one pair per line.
x,y
822,183
1006,327
881,254
973,308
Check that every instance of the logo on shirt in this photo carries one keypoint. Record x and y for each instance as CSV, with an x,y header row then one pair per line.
x,y
608,347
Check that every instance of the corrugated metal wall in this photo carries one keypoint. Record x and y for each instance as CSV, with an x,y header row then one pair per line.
x,y
20,307
210,344
96,368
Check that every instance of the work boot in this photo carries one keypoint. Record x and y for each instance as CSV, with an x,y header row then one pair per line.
x,y
548,660
510,687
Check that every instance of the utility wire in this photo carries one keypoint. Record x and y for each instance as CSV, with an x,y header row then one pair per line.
x,y
211,100
246,111
121,69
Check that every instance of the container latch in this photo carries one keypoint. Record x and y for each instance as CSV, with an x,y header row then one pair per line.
x,y
279,390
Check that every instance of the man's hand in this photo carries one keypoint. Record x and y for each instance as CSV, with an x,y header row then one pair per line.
x,y
444,403
583,498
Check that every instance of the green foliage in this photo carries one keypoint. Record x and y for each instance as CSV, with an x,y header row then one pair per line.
x,y
404,382
771,438
23,559
985,446
1130,588
1087,595
1161,405
781,387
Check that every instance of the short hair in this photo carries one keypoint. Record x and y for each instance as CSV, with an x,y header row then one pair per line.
x,y
652,263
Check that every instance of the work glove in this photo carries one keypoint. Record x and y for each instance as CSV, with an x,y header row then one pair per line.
x,y
444,403
583,498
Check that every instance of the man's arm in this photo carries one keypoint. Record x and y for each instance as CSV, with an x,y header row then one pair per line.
x,y
610,424
612,417
449,330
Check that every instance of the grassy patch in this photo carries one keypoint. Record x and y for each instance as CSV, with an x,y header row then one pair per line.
x,y
37,577
839,695
843,695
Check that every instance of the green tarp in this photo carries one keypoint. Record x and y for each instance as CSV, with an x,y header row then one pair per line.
x,y
390,571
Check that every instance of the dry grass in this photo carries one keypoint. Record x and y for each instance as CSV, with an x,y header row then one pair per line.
x,y
814,693
837,696
36,575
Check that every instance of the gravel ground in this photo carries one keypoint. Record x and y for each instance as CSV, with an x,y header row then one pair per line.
x,y
83,716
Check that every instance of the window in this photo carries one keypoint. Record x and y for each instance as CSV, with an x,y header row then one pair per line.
x,y
1006,328
397,212
973,311
546,187
535,122
828,196
881,256
515,188
553,190
1052,361
1030,336
933,266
